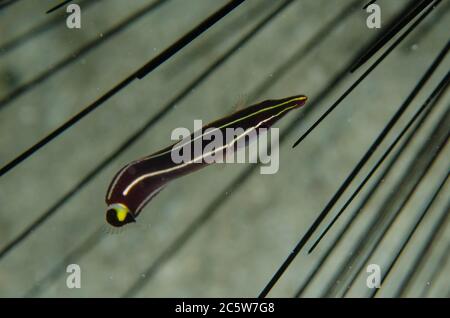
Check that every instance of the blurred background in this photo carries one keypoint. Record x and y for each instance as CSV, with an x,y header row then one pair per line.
x,y
226,229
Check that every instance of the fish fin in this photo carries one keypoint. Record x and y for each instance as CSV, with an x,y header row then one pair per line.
x,y
241,102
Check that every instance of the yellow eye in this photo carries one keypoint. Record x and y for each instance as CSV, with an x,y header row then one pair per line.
x,y
118,215
121,214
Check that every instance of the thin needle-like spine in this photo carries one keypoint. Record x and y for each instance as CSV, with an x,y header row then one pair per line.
x,y
413,230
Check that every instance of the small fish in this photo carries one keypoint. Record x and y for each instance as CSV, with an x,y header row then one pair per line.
x,y
139,181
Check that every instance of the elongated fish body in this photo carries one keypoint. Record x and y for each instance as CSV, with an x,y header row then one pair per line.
x,y
139,181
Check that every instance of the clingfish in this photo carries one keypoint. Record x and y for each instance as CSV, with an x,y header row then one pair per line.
x,y
139,181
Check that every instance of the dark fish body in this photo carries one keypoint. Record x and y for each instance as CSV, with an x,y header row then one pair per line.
x,y
139,181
